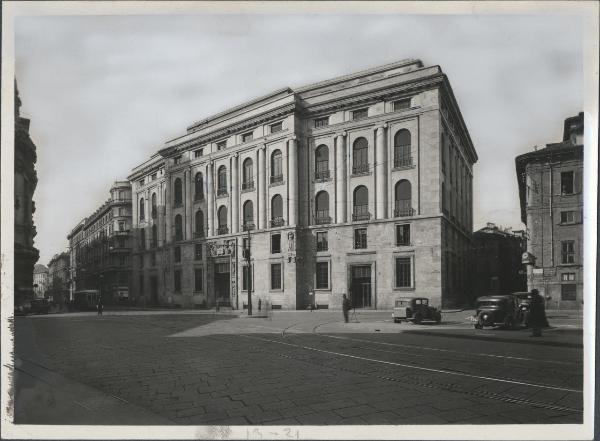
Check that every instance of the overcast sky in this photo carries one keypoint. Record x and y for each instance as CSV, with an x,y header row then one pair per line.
x,y
104,93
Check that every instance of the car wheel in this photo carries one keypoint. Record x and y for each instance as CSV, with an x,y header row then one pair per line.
x,y
396,320
418,318
438,318
478,326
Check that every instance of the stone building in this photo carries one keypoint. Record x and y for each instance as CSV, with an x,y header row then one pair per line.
x,y
40,280
551,195
100,247
361,185
496,266
25,182
58,278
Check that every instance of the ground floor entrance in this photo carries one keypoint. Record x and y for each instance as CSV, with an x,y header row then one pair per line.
x,y
154,290
222,283
360,286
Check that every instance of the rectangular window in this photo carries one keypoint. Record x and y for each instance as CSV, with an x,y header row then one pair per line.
x,y
277,127
568,251
403,235
177,254
246,278
359,114
177,160
567,277
154,176
568,292
198,279
198,153
246,137
567,217
321,122
141,182
322,273
402,104
360,238
198,251
566,182
276,276
177,280
275,243
221,145
322,244
403,272
121,225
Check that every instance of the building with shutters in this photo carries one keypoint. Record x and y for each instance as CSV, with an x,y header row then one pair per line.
x,y
551,196
361,185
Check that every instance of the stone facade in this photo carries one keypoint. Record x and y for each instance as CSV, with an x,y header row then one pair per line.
x,y
359,185
100,248
551,195
40,280
58,278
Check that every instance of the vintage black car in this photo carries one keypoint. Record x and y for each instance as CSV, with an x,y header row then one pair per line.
x,y
501,310
523,302
415,309
40,306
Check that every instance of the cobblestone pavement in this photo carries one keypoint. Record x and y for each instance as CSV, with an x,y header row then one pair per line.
x,y
300,368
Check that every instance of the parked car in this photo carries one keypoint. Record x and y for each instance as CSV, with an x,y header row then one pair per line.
x,y
501,310
40,306
523,301
415,309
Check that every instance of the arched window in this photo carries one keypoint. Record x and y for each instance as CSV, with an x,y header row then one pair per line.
x,y
154,208
142,213
199,187
143,239
360,156
322,162
248,213
178,228
199,224
154,236
276,167
402,198
277,211
402,156
178,197
222,180
322,208
361,204
222,219
247,175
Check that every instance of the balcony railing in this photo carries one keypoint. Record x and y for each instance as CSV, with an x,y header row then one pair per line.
x,y
403,161
322,217
322,175
360,169
199,196
222,230
248,226
403,208
248,185
198,234
361,213
221,191
154,213
276,179
277,221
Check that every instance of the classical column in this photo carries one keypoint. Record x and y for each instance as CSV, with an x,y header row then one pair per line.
x,y
381,166
188,204
160,217
210,196
340,181
168,210
262,189
135,221
293,180
235,195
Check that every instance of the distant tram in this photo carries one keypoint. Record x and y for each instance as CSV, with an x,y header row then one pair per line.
x,y
86,299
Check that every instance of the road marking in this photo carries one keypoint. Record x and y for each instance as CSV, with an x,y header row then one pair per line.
x,y
409,366
450,350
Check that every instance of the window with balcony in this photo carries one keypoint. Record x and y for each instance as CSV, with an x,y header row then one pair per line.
x,y
248,175
402,154
275,243
276,276
154,236
360,210
360,114
403,235
222,220
277,211
402,104
177,254
154,209
322,244
568,251
360,157
178,228
199,187
199,224
177,192
198,279
142,211
322,275
566,183
322,163
403,199
322,208
222,181
276,167
248,216
403,272
360,238
277,127
247,137
177,280
221,145
321,122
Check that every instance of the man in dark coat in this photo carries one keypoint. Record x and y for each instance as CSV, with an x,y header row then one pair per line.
x,y
345,307
537,314
100,305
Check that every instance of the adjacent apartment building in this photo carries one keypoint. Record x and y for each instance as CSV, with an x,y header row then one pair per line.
x,y
40,280
58,278
551,195
100,247
360,185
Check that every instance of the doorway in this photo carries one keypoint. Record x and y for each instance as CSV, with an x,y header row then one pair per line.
x,y
222,283
154,290
360,286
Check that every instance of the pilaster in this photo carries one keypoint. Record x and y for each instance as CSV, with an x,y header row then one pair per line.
x,y
380,168
340,180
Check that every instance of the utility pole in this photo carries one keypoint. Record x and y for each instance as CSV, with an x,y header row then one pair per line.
x,y
248,279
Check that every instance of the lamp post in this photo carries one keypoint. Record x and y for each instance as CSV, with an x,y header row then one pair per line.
x,y
248,280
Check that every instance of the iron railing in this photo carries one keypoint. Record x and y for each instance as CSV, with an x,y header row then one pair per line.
x,y
277,221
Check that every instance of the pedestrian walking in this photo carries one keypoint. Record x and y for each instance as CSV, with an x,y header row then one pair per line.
x,y
537,314
100,306
345,307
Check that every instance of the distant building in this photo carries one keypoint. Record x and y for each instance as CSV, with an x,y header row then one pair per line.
x,y
100,247
551,194
496,261
360,184
58,278
40,280
25,182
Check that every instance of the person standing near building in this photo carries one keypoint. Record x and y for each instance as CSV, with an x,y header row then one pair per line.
x,y
537,314
100,305
345,307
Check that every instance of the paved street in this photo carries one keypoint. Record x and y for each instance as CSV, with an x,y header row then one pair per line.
x,y
293,368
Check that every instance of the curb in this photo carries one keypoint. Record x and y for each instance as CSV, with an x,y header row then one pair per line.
x,y
501,339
